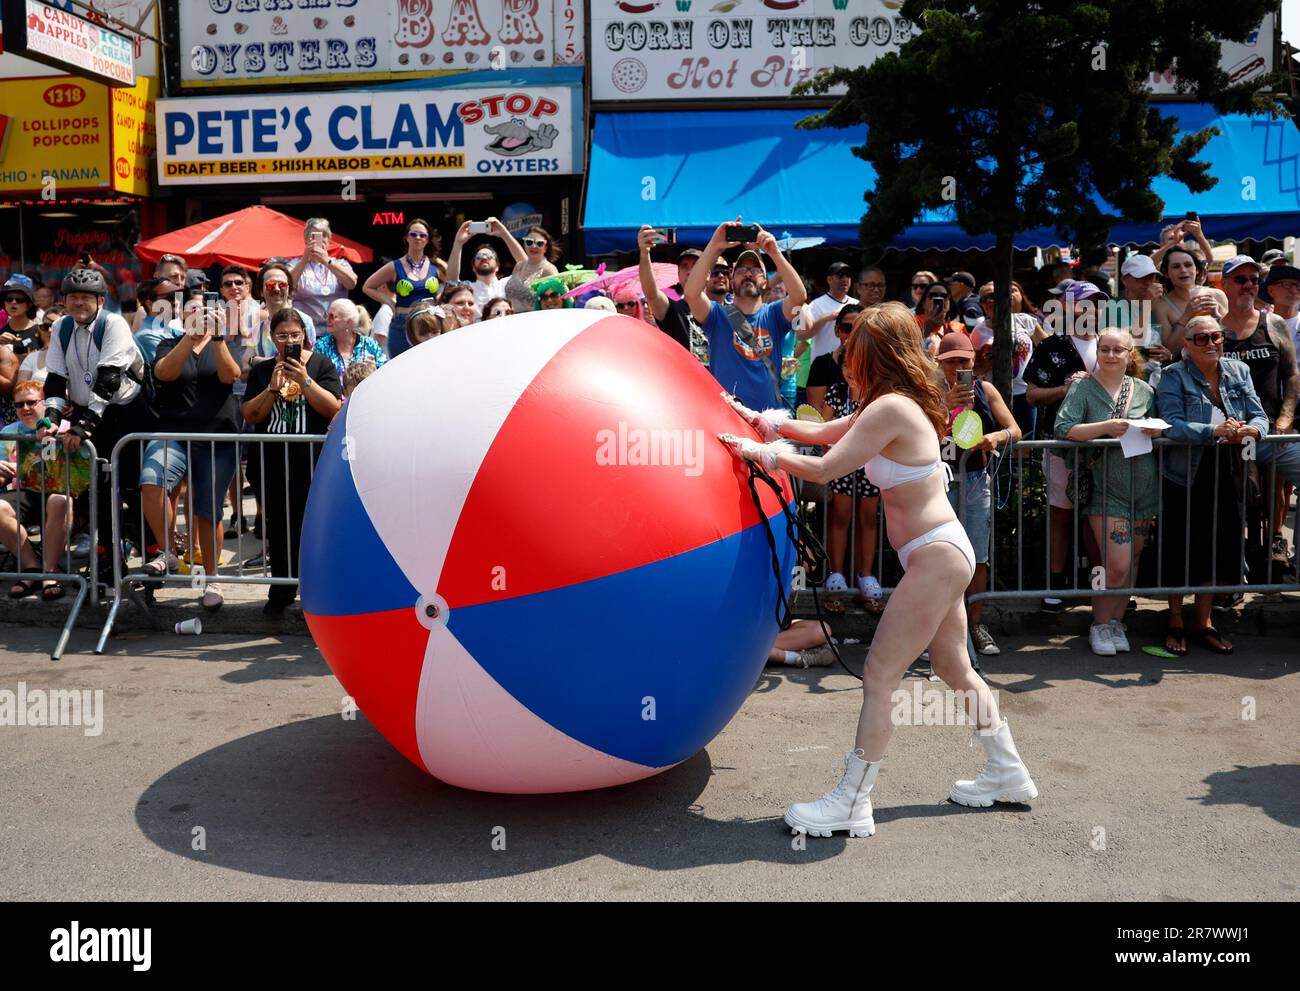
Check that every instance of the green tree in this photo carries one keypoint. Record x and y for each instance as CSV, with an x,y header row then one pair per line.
x,y
1018,115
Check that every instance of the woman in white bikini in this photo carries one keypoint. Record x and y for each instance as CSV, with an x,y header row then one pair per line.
x,y
895,435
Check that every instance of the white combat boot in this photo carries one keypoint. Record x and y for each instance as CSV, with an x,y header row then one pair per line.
x,y
1004,778
846,806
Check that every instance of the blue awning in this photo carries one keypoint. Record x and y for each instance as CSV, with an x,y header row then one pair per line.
x,y
690,170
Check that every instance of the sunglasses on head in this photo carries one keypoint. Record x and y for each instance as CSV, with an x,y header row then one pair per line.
x,y
1204,338
532,242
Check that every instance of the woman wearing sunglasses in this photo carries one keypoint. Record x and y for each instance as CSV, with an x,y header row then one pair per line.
x,y
33,367
541,253
1210,402
415,277
549,295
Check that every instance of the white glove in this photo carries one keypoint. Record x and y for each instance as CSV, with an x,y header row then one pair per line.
x,y
767,423
752,450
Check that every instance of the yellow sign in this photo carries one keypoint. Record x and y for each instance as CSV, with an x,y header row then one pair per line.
x,y
61,135
133,137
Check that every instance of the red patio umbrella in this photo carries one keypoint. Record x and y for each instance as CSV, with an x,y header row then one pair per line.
x,y
246,237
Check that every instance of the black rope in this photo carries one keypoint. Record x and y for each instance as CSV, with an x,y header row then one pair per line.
x,y
809,551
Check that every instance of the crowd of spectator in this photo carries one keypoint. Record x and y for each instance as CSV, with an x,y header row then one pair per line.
x,y
276,349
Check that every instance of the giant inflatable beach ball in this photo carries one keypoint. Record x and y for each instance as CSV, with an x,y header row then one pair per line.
x,y
531,563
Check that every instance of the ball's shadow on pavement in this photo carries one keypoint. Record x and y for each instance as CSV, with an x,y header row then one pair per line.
x,y
330,800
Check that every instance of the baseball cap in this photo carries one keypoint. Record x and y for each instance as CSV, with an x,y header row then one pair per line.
x,y
1272,255
1277,273
195,278
689,253
954,345
758,262
600,303
1077,289
19,282
964,277
1138,266
1236,262
839,268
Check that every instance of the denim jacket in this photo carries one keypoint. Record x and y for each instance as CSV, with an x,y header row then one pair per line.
x,y
1184,398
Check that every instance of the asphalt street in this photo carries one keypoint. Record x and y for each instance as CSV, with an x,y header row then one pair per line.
x,y
224,770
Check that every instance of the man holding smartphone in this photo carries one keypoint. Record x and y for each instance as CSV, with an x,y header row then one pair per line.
x,y
746,337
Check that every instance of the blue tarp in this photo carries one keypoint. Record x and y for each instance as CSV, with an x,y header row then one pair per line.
x,y
690,170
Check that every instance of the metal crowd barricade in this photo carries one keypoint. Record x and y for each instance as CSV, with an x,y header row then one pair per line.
x,y
52,451
128,584
1165,585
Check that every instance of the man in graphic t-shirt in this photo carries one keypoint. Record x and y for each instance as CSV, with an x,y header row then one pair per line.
x,y
746,337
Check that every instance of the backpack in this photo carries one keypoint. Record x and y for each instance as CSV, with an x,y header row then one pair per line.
x,y
67,325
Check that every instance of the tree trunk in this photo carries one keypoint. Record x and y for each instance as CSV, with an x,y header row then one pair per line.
x,y
1003,345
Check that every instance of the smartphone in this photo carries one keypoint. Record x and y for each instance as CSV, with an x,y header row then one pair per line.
x,y
211,300
966,378
84,258
1193,215
293,351
479,227
740,233
666,236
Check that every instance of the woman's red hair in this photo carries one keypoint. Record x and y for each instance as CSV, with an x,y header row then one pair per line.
x,y
884,355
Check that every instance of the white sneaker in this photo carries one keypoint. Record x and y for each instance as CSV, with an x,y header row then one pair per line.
x,y
817,657
835,584
1118,637
869,587
846,806
1004,778
1100,641
212,598
164,563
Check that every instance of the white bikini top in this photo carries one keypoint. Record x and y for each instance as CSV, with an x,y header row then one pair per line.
x,y
886,474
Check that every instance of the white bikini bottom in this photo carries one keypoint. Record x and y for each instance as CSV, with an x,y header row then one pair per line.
x,y
952,533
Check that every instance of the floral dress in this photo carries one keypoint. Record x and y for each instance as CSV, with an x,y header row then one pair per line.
x,y
365,349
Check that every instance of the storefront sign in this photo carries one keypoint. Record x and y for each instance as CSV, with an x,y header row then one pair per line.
x,y
120,15
369,135
67,134
750,49
1242,61
740,49
69,41
277,41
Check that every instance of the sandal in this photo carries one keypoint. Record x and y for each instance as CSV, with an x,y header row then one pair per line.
x,y
832,606
23,588
1178,636
52,592
1204,636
